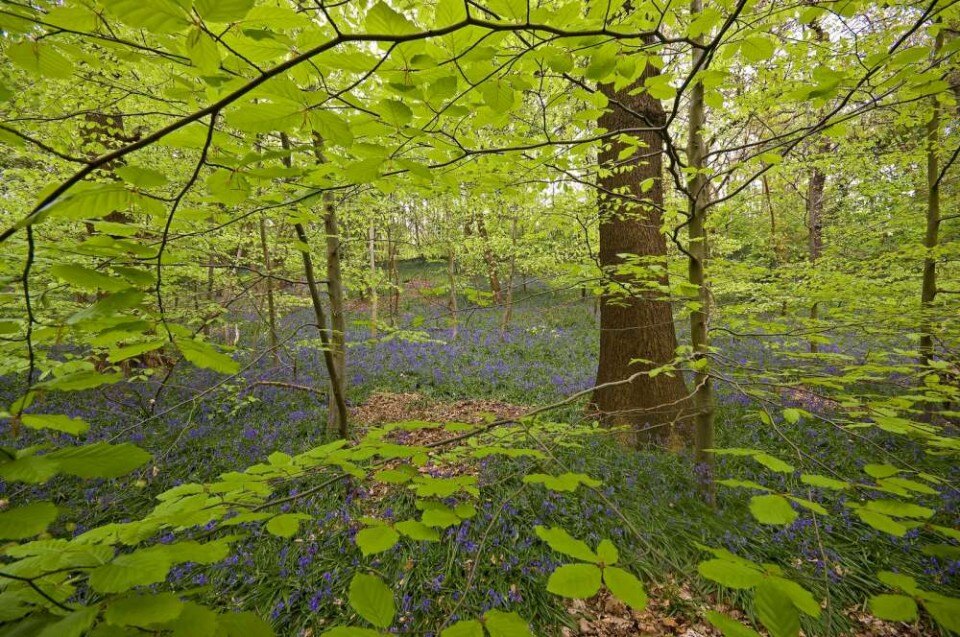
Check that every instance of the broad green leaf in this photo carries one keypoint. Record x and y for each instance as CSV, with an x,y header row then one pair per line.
x,y
99,460
87,279
501,624
40,59
417,531
285,524
730,574
625,587
945,611
498,95
607,552
377,539
562,542
139,568
194,621
729,626
351,631
57,422
223,10
75,624
203,51
245,624
899,509
204,355
773,463
449,12
881,522
465,628
896,608
126,352
143,610
26,521
372,599
823,482
395,112
382,20
156,16
802,599
772,509
776,611
757,48
140,176
331,127
578,581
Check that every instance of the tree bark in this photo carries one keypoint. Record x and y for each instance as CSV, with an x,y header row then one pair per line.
x,y
698,252
508,299
268,282
928,292
638,325
815,188
338,323
374,300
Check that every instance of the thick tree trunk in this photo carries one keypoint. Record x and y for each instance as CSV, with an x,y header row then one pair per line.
x,y
491,261
698,252
635,325
815,188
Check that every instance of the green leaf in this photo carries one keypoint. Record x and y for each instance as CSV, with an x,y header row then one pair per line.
x,y
895,608
449,12
372,599
465,628
899,581
204,355
351,631
417,531
757,48
286,524
143,610
563,482
773,463
87,279
266,117
57,422
229,187
195,621
945,611
579,581
119,354
729,626
802,599
498,95
730,574
625,587
246,624
881,522
40,59
156,16
142,177
203,51
395,112
377,539
99,460
772,509
73,625
607,552
26,521
140,568
899,509
562,542
880,470
382,20
776,611
331,127
501,624
823,482
223,10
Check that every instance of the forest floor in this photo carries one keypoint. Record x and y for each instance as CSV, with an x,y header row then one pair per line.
x,y
420,372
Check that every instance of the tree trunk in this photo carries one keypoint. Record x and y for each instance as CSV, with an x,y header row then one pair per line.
x,y
268,282
452,278
815,188
338,323
638,325
698,252
508,300
374,300
931,237
491,262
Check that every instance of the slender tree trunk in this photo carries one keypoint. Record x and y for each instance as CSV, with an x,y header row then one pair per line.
x,y
508,300
452,278
931,237
698,249
339,402
338,321
491,261
374,300
637,326
268,282
815,188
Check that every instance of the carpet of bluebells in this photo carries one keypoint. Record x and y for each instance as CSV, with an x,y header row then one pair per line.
x,y
547,353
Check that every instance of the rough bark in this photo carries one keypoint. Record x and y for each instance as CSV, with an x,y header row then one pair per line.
x,y
928,292
374,299
338,323
268,284
636,324
815,188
